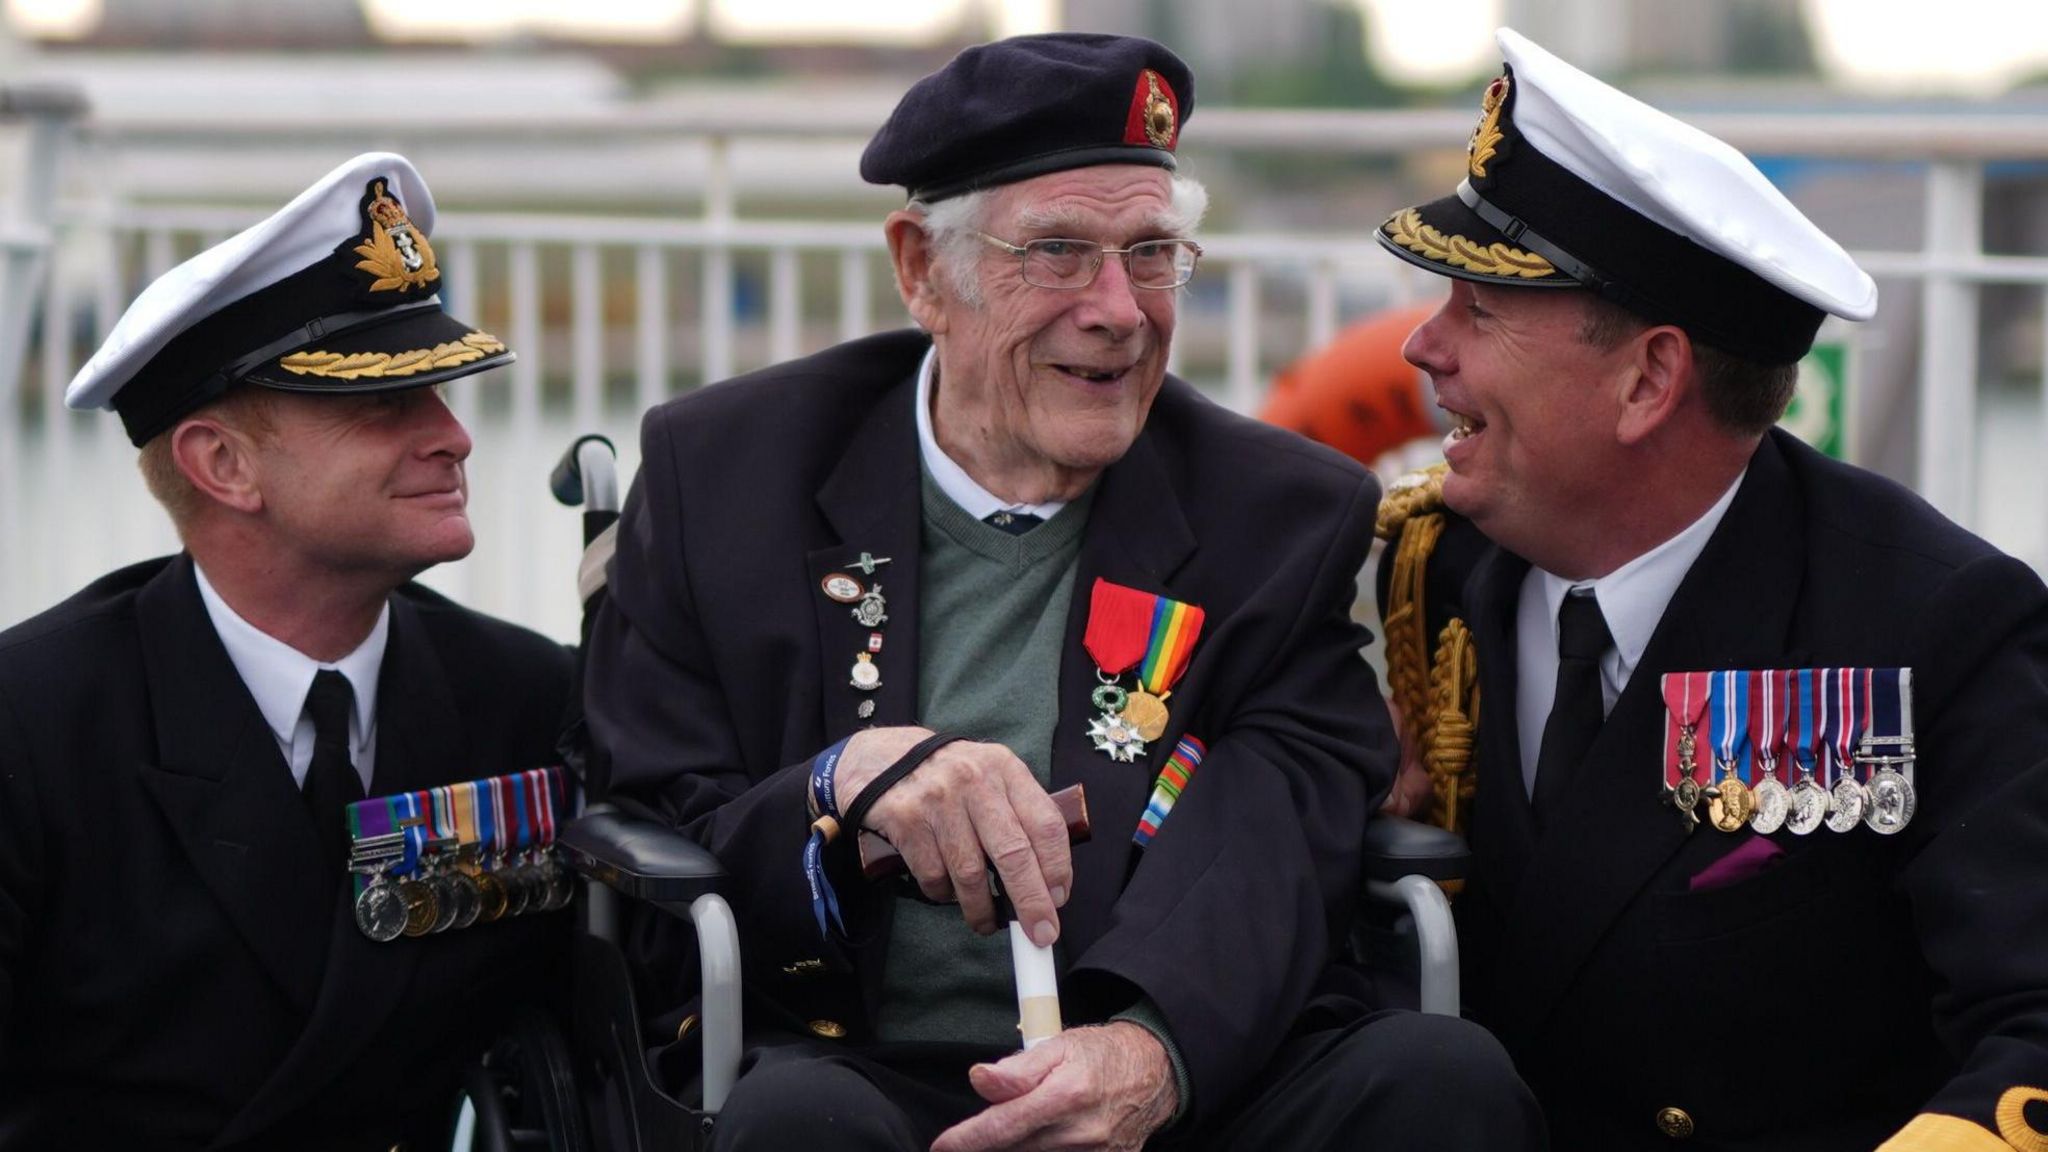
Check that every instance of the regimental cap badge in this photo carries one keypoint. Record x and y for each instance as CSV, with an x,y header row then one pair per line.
x,y
1155,112
394,253
1487,136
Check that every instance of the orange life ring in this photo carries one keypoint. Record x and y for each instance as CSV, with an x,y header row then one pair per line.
x,y
1355,393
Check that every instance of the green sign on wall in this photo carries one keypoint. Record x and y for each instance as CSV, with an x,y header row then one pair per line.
x,y
1818,413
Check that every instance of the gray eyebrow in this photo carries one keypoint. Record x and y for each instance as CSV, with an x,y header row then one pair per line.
x,y
1057,218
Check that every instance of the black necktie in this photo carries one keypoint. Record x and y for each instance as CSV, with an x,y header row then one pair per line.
x,y
1015,523
1577,711
331,780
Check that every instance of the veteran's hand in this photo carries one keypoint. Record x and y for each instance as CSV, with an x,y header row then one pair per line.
x,y
968,805
1109,1086
1413,793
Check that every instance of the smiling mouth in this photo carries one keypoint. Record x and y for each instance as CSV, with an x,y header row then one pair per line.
x,y
1463,426
1094,375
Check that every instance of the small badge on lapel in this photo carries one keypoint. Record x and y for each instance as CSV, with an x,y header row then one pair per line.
x,y
870,610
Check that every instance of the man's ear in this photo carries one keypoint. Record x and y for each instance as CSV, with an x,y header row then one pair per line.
x,y
219,461
1658,382
917,270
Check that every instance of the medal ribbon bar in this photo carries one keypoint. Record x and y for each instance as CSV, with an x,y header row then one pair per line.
x,y
1173,778
1685,703
1768,723
1730,724
1831,726
1174,628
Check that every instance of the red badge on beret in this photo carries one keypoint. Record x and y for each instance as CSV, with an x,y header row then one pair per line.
x,y
1155,113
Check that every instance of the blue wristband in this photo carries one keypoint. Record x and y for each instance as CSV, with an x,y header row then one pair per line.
x,y
824,829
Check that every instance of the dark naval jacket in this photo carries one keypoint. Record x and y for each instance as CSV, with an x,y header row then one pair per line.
x,y
178,967
1819,1003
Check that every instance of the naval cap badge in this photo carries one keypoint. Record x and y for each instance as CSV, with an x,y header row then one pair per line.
x,y
395,253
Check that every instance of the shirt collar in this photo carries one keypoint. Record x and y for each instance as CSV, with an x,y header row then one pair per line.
x,y
952,479
1633,597
279,675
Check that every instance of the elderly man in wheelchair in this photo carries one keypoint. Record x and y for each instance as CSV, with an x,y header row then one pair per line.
x,y
1013,686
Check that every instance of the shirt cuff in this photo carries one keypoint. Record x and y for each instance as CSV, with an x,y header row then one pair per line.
x,y
1145,1014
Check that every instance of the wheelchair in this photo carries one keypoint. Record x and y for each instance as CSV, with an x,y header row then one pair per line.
x,y
592,1086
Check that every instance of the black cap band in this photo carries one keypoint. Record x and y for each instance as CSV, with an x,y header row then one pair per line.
x,y
1640,264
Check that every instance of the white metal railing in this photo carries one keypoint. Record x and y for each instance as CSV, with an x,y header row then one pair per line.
x,y
612,313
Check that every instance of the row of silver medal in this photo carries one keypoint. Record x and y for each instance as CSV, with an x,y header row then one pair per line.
x,y
1884,803
451,887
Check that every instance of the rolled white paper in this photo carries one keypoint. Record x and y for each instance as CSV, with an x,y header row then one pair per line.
x,y
1038,988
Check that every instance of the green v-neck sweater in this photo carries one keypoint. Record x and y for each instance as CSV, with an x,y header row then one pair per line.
x,y
992,614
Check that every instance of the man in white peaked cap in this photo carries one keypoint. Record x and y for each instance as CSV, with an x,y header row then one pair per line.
x,y
1760,788
181,961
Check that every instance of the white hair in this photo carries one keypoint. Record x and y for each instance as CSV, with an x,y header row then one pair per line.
x,y
951,225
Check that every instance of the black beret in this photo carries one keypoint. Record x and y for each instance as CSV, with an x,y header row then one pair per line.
x,y
1029,105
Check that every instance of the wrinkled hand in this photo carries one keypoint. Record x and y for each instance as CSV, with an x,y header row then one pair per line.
x,y
1107,1087
968,805
1413,792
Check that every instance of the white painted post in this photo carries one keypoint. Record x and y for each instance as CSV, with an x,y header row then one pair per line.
x,y
2040,558
785,305
514,536
717,320
650,276
1948,339
464,298
1243,386
1322,305
856,308
586,335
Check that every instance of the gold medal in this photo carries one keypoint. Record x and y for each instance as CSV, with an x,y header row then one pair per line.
x,y
1146,713
491,897
1731,805
421,907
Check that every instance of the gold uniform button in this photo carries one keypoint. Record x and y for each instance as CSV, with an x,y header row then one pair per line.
x,y
829,1029
1674,1122
688,1023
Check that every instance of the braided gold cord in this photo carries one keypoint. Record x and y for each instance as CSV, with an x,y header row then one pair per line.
x,y
1407,642
1410,496
1450,724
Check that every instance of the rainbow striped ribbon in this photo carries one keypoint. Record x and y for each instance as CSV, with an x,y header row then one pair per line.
x,y
1180,768
1175,627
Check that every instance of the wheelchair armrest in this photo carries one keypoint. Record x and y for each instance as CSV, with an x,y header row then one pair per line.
x,y
640,858
1397,847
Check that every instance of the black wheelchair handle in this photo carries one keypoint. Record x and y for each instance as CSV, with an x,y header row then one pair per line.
x,y
566,481
1397,847
640,858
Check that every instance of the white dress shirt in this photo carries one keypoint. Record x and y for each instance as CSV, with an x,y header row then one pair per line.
x,y
1632,599
953,480
279,676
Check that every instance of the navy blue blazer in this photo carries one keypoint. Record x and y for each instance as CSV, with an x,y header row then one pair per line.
x,y
1819,1004
178,968
718,669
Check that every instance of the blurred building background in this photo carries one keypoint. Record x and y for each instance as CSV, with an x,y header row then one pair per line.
x,y
641,195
